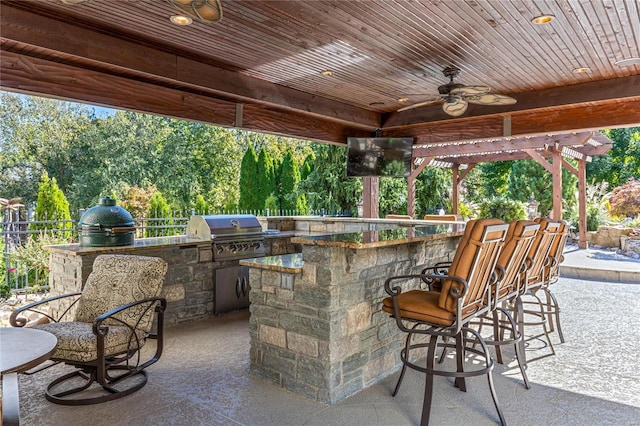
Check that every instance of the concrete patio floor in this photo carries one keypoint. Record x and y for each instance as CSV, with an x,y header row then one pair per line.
x,y
203,379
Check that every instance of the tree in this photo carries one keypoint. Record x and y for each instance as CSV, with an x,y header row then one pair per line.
x,y
52,205
392,196
621,162
289,178
625,199
327,186
266,178
307,166
159,210
248,178
433,190
528,177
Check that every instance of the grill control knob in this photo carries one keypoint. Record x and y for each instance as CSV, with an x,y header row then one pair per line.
x,y
256,246
233,248
219,249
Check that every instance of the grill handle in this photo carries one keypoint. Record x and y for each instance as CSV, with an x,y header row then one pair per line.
x,y
116,230
238,287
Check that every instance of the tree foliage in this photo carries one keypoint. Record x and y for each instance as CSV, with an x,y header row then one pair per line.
x,y
289,178
621,162
52,205
528,177
502,208
266,174
625,199
248,179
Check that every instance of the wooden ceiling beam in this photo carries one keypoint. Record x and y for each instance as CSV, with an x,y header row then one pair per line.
x,y
578,94
593,116
82,46
26,74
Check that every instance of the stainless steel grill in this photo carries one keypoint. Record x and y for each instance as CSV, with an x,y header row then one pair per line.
x,y
233,236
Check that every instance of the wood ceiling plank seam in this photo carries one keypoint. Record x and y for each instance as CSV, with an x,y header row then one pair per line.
x,y
598,23
446,15
517,44
507,49
543,48
616,21
510,50
609,15
575,55
630,34
598,62
337,63
414,54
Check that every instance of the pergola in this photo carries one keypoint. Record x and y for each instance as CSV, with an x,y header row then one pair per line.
x,y
327,70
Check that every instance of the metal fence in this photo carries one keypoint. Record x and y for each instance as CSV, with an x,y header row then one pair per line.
x,y
24,264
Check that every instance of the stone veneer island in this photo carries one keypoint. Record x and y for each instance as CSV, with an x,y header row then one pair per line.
x,y
316,326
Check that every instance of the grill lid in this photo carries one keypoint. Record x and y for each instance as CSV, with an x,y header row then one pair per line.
x,y
223,226
106,214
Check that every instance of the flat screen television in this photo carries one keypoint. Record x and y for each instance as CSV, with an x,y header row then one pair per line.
x,y
384,157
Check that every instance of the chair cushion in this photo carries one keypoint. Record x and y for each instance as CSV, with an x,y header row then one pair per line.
x,y
118,280
76,341
421,306
462,263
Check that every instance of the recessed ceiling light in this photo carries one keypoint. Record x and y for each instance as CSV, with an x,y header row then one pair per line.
x,y
72,2
181,20
543,19
627,62
581,70
327,73
376,104
403,99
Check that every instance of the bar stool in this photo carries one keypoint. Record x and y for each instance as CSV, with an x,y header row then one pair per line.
x,y
465,296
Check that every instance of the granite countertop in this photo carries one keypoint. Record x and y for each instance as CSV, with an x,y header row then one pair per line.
x,y
287,263
391,237
155,242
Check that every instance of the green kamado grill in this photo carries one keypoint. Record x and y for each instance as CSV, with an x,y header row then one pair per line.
x,y
106,225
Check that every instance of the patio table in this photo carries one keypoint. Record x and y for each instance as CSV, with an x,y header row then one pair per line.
x,y
20,350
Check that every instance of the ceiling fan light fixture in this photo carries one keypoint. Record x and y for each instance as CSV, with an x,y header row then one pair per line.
x,y
581,70
205,11
327,73
543,19
403,99
181,20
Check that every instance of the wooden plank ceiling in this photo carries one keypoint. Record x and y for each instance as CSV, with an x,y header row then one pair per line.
x,y
260,67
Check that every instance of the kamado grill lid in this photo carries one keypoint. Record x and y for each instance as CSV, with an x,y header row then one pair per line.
x,y
106,215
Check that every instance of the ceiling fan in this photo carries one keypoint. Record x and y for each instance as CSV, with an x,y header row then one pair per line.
x,y
456,97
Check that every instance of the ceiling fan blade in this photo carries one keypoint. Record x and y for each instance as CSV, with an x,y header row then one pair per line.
x,y
420,104
455,109
470,90
490,99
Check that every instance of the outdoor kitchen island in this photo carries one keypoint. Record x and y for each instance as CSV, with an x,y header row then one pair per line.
x,y
316,325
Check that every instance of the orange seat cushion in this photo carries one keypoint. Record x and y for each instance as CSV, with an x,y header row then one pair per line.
x,y
421,306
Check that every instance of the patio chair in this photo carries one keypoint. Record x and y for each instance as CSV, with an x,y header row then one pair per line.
x,y
114,316
465,295
539,266
551,275
512,268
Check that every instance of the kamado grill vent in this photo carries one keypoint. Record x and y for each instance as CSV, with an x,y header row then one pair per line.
x,y
233,236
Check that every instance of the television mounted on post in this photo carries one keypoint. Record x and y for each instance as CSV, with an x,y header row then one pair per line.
x,y
383,157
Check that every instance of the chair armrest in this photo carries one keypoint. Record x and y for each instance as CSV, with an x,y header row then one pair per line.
x,y
396,290
21,322
99,329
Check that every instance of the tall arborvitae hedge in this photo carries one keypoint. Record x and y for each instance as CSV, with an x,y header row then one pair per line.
x,y
248,181
289,178
160,213
52,205
307,166
266,182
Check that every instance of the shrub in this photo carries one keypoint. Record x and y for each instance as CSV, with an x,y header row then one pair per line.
x,y
597,205
32,259
625,200
52,206
502,208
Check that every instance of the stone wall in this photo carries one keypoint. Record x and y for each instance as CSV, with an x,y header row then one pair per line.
x,y
607,236
327,338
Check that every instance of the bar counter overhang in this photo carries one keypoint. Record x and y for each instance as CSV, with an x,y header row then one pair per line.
x,y
317,327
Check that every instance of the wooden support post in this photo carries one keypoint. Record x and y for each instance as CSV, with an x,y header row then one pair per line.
x,y
582,204
454,188
370,196
411,196
411,186
556,213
